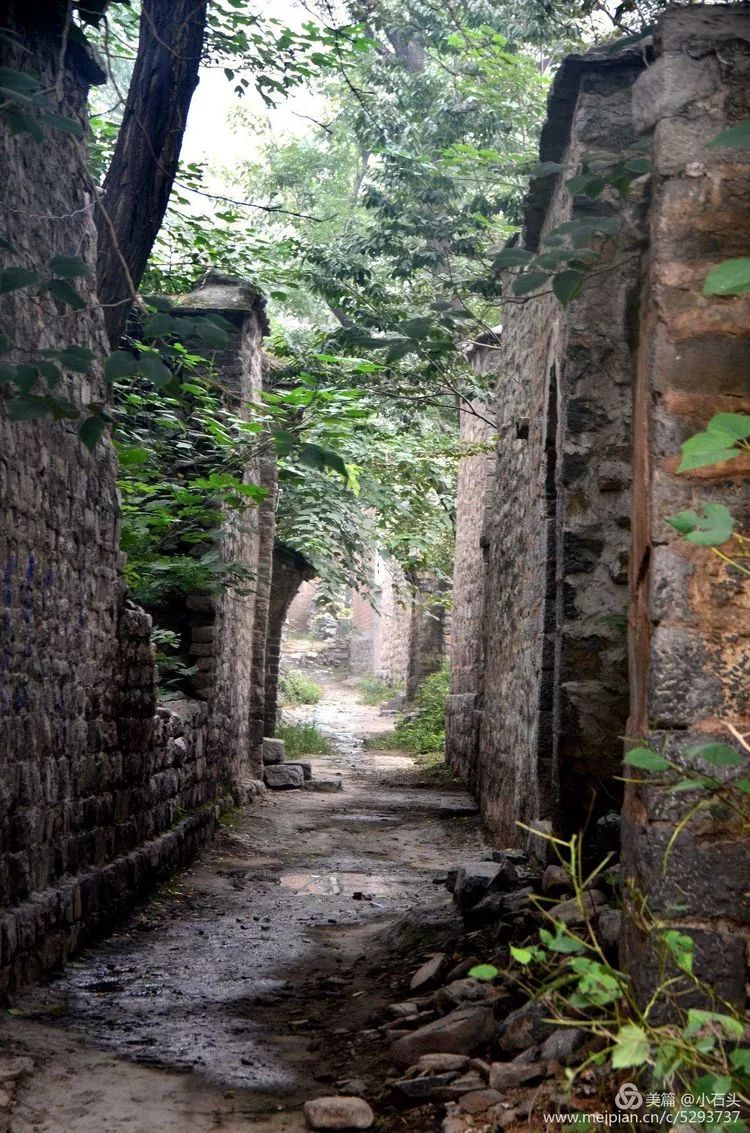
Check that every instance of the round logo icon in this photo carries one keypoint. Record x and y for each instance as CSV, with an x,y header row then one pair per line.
x,y
628,1096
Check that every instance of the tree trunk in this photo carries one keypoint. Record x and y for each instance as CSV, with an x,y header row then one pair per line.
x,y
144,164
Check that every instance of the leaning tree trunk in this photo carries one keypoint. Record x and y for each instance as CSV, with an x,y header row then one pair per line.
x,y
144,164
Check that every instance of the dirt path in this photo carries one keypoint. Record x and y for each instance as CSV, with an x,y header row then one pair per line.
x,y
255,979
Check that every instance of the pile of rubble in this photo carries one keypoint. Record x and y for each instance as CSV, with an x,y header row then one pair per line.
x,y
481,1049
282,775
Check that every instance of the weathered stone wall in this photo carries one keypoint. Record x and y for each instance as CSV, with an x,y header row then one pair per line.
x,y
100,794
302,607
552,709
473,496
690,620
381,625
427,631
290,569
229,630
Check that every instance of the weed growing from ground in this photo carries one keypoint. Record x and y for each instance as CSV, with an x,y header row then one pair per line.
x,y
303,739
295,687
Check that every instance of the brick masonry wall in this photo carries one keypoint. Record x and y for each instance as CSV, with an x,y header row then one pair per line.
x,y
100,794
229,629
473,495
690,620
290,571
381,633
301,608
553,703
427,632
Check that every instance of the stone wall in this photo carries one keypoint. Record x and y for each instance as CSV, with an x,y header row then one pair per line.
x,y
229,629
302,607
690,612
381,625
473,499
539,738
100,793
427,631
290,569
593,402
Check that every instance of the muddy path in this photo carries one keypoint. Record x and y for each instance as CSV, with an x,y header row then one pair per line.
x,y
257,978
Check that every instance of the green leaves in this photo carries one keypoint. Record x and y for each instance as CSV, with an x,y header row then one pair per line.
x,y
152,367
632,1047
567,285
681,948
711,529
528,282
718,442
484,972
66,293
717,754
646,760
732,277
737,135
712,1021
69,266
91,430
12,279
561,941
25,105
119,365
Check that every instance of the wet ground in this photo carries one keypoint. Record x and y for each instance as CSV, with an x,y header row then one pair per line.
x,y
258,978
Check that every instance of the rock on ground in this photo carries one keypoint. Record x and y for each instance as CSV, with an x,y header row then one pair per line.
x,y
458,1033
272,751
283,777
338,1113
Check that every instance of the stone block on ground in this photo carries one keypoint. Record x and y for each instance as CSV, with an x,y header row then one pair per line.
x,y
280,777
479,1101
510,1075
561,1044
524,1028
570,913
273,751
473,881
324,785
428,973
338,1113
460,1032
304,764
459,992
442,1063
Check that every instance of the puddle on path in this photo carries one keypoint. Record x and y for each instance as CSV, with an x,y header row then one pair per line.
x,y
346,884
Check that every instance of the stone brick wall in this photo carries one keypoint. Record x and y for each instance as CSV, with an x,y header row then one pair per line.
x,y
473,496
382,625
100,793
593,402
289,571
540,737
302,607
229,630
427,631
690,619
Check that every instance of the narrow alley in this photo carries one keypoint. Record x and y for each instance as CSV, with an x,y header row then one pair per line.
x,y
258,977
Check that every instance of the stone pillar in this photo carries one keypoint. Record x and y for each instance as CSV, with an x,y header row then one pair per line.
x,y
229,629
690,625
